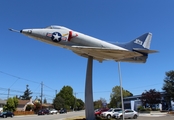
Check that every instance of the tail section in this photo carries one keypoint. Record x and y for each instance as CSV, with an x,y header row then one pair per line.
x,y
140,44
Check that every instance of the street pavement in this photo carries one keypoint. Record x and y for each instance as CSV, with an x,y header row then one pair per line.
x,y
142,116
155,116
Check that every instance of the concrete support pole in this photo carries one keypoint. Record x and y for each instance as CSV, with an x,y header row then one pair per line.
x,y
120,79
89,106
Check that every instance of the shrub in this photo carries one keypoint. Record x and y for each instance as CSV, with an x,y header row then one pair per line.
x,y
148,109
141,108
29,108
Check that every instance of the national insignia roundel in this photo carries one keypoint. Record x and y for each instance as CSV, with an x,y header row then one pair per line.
x,y
56,37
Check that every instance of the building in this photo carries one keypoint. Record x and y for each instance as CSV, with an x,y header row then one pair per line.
x,y
22,104
2,103
134,102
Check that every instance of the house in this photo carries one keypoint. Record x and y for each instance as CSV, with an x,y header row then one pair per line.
x,y
47,105
2,103
22,104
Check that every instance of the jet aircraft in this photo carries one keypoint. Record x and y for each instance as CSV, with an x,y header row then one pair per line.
x,y
136,50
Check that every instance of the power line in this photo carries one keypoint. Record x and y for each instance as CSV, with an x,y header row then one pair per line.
x,y
24,79
145,86
49,87
19,77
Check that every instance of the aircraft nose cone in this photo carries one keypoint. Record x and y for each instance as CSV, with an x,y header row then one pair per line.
x,y
26,31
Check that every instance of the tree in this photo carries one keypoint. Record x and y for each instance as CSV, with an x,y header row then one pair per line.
x,y
79,104
65,96
37,106
11,104
116,96
100,103
27,94
15,100
58,102
151,97
29,107
168,86
97,104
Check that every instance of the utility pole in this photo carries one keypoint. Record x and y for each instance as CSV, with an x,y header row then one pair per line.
x,y
74,101
8,93
41,91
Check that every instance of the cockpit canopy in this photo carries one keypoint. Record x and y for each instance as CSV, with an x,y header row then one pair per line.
x,y
56,27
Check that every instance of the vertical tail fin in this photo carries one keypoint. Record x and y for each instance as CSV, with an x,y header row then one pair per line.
x,y
140,44
147,40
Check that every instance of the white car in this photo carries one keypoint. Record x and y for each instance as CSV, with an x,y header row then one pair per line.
x,y
128,113
109,114
53,111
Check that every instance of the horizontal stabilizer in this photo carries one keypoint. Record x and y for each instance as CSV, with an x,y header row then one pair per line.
x,y
144,50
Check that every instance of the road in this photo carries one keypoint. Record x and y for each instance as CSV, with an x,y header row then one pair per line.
x,y
47,117
82,113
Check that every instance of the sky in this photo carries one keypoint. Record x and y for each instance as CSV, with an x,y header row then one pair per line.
x,y
25,61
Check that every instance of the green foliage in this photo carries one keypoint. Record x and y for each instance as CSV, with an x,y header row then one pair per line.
x,y
27,94
11,104
151,97
79,104
66,99
37,106
99,103
15,99
29,107
148,109
58,103
141,108
116,96
67,94
168,85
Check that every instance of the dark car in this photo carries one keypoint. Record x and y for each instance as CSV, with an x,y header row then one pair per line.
x,y
6,114
62,111
43,112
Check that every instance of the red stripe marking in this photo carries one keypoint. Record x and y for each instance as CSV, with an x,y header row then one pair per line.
x,y
70,35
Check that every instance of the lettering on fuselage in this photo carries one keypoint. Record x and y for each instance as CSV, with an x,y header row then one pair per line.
x,y
137,41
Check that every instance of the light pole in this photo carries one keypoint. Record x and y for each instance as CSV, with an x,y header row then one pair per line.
x,y
121,89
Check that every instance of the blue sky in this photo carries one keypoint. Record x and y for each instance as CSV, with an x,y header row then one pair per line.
x,y
26,61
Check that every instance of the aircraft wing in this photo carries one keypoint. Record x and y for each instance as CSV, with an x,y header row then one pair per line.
x,y
101,54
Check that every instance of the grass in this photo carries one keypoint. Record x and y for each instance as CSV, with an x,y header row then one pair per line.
x,y
76,118
83,118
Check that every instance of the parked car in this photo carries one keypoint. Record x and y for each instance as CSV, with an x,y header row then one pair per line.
x,y
99,111
53,111
62,111
43,112
96,110
109,114
6,114
128,113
